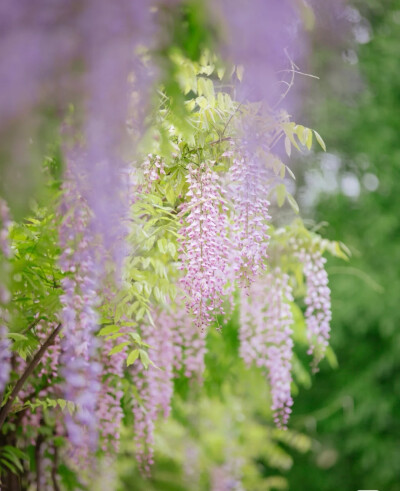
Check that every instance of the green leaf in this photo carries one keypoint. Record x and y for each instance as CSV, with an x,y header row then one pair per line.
x,y
170,195
144,358
62,403
240,72
331,357
137,275
132,357
320,140
118,348
338,251
140,314
157,293
19,453
172,249
293,203
280,191
288,129
288,146
145,262
136,337
162,244
221,72
51,402
8,465
308,137
70,407
138,286
16,336
290,172
202,102
10,456
300,133
105,331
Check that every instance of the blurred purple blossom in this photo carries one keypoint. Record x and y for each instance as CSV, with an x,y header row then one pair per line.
x,y
266,336
262,36
54,54
109,411
154,386
5,253
79,317
175,345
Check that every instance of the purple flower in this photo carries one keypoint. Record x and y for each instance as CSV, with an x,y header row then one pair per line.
x,y
260,36
249,193
5,253
175,344
204,248
109,412
318,303
80,369
265,336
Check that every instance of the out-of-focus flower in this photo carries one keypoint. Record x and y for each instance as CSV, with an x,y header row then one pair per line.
x,y
5,253
266,336
81,371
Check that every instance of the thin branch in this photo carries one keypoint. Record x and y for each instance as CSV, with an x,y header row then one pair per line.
x,y
28,371
54,469
220,140
299,73
293,70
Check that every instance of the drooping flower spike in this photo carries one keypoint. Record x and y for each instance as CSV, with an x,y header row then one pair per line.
x,y
205,246
5,253
79,317
266,336
318,303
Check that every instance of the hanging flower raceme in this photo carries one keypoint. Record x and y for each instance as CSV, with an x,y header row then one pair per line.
x,y
189,343
5,253
79,317
248,178
109,412
154,386
175,346
265,336
204,247
318,303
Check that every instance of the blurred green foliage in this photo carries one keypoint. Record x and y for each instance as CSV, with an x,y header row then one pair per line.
x,y
353,413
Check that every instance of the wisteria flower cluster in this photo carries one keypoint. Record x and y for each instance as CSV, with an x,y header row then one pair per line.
x,y
318,303
5,253
175,346
266,336
79,316
205,246
250,218
109,411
